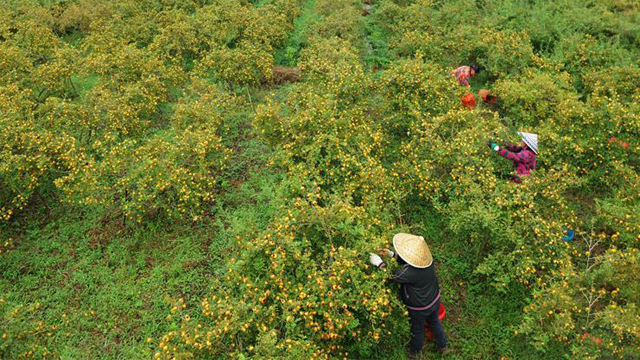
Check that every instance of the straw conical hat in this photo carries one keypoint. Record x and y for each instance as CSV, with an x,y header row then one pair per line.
x,y
530,139
413,249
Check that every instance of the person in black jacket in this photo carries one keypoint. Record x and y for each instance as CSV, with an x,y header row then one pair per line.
x,y
419,289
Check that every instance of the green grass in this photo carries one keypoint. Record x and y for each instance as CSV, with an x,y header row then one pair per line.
x,y
289,53
84,84
376,38
76,265
114,281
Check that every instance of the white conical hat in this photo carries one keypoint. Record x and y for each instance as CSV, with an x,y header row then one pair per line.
x,y
530,139
413,249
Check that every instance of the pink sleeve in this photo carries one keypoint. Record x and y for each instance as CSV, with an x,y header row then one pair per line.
x,y
519,157
515,157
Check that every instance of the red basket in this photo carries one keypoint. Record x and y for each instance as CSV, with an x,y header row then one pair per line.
x,y
442,312
469,101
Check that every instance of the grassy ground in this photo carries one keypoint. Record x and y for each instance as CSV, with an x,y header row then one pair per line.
x,y
112,282
288,54
107,285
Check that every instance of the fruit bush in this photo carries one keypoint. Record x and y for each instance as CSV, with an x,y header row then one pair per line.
x,y
175,175
310,298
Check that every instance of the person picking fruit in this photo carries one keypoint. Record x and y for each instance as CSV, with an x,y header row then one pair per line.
x,y
523,157
464,73
419,289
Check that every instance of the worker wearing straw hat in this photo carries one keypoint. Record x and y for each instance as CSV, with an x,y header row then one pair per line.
x,y
523,157
419,289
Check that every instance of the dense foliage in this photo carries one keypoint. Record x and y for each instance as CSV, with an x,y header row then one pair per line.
x,y
155,125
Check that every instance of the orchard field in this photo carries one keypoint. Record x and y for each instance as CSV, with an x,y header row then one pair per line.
x,y
205,178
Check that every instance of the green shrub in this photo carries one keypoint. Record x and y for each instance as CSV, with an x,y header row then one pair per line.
x,y
176,176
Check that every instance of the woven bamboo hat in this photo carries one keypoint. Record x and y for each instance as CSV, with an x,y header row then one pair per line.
x,y
413,249
530,139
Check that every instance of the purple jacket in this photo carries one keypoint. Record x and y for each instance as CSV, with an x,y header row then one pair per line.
x,y
524,161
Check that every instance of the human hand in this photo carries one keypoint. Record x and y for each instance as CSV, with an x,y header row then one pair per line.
x,y
493,145
375,260
386,252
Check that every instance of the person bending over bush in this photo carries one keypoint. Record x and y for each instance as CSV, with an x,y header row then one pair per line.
x,y
463,73
523,157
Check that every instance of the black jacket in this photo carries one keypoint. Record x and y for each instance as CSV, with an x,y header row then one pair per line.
x,y
418,287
